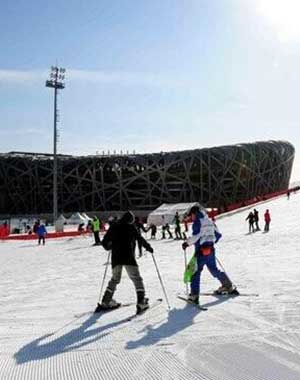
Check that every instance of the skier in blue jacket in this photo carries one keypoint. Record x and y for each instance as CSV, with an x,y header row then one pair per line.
x,y
41,232
205,235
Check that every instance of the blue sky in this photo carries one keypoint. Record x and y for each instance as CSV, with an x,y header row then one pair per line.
x,y
150,75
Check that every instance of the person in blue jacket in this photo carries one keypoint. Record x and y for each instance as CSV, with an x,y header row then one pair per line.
x,y
41,232
205,235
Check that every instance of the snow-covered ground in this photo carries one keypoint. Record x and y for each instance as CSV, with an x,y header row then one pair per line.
x,y
44,290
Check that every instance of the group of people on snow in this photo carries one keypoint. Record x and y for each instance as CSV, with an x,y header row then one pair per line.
x,y
253,219
122,237
125,234
95,226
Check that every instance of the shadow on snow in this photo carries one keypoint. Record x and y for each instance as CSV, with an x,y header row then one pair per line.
x,y
178,320
74,339
40,348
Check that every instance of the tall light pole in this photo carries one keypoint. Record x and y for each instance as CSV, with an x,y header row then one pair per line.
x,y
56,81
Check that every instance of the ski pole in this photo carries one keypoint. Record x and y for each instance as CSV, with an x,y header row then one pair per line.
x,y
160,279
185,266
104,276
219,262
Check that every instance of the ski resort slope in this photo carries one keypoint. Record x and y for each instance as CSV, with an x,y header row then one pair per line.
x,y
45,332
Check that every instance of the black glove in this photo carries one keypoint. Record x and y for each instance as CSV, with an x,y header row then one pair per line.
x,y
150,249
184,245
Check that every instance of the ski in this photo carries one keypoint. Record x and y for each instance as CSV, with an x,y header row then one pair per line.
x,y
151,307
229,295
202,308
104,310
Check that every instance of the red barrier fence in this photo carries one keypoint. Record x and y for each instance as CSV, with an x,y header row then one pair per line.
x,y
257,199
4,231
49,235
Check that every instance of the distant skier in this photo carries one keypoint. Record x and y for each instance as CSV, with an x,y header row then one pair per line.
x,y
267,217
96,230
177,227
165,227
41,233
36,226
288,193
120,239
256,219
250,219
205,235
186,220
140,227
153,230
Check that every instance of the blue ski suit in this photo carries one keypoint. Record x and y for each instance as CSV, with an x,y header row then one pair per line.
x,y
205,235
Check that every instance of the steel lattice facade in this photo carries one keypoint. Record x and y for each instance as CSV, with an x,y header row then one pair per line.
x,y
215,177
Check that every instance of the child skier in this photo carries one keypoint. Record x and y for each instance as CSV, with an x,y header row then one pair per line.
x,y
205,235
41,232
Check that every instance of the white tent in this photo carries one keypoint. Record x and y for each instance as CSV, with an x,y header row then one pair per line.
x,y
60,223
61,218
168,211
76,218
85,216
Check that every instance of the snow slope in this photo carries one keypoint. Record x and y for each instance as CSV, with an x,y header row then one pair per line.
x,y
44,290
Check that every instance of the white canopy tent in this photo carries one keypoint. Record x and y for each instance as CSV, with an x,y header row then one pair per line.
x,y
60,223
86,217
168,211
61,218
76,218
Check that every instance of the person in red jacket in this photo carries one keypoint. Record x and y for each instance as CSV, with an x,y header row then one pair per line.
x,y
267,221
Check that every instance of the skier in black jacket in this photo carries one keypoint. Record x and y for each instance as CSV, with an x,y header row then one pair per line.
x,y
256,219
140,227
250,219
121,240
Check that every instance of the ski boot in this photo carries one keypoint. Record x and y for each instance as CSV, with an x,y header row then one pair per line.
x,y
142,306
112,304
194,298
107,302
227,290
142,303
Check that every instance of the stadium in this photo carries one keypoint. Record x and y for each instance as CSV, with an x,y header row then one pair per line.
x,y
215,177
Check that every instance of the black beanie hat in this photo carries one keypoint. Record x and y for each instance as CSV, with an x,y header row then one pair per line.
x,y
194,210
128,217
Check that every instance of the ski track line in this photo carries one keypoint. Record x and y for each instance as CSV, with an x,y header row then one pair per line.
x,y
279,354
257,320
244,327
239,362
160,364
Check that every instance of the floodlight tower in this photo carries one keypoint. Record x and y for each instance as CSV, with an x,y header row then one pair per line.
x,y
56,81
